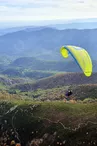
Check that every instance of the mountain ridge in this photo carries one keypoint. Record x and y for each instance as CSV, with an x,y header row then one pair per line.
x,y
59,80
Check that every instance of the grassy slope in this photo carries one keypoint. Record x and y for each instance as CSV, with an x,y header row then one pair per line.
x,y
50,122
55,87
80,92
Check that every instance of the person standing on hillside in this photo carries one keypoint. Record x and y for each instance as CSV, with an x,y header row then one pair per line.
x,y
68,94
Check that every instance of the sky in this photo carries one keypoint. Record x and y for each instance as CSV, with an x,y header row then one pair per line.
x,y
35,10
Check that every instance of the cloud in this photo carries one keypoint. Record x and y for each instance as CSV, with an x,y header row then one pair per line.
x,y
29,10
28,2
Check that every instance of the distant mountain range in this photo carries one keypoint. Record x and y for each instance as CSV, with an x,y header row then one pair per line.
x,y
44,42
58,23
90,23
76,25
4,31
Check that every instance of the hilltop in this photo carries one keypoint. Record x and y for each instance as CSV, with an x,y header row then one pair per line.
x,y
59,80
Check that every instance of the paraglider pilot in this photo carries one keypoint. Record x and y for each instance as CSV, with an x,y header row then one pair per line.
x,y
68,94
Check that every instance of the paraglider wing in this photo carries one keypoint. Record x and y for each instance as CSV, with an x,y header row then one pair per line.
x,y
81,56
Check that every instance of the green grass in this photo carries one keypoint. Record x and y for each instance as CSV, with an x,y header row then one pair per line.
x,y
50,117
55,107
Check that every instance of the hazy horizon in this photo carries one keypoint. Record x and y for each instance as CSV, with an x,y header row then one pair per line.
x,y
45,12
4,25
